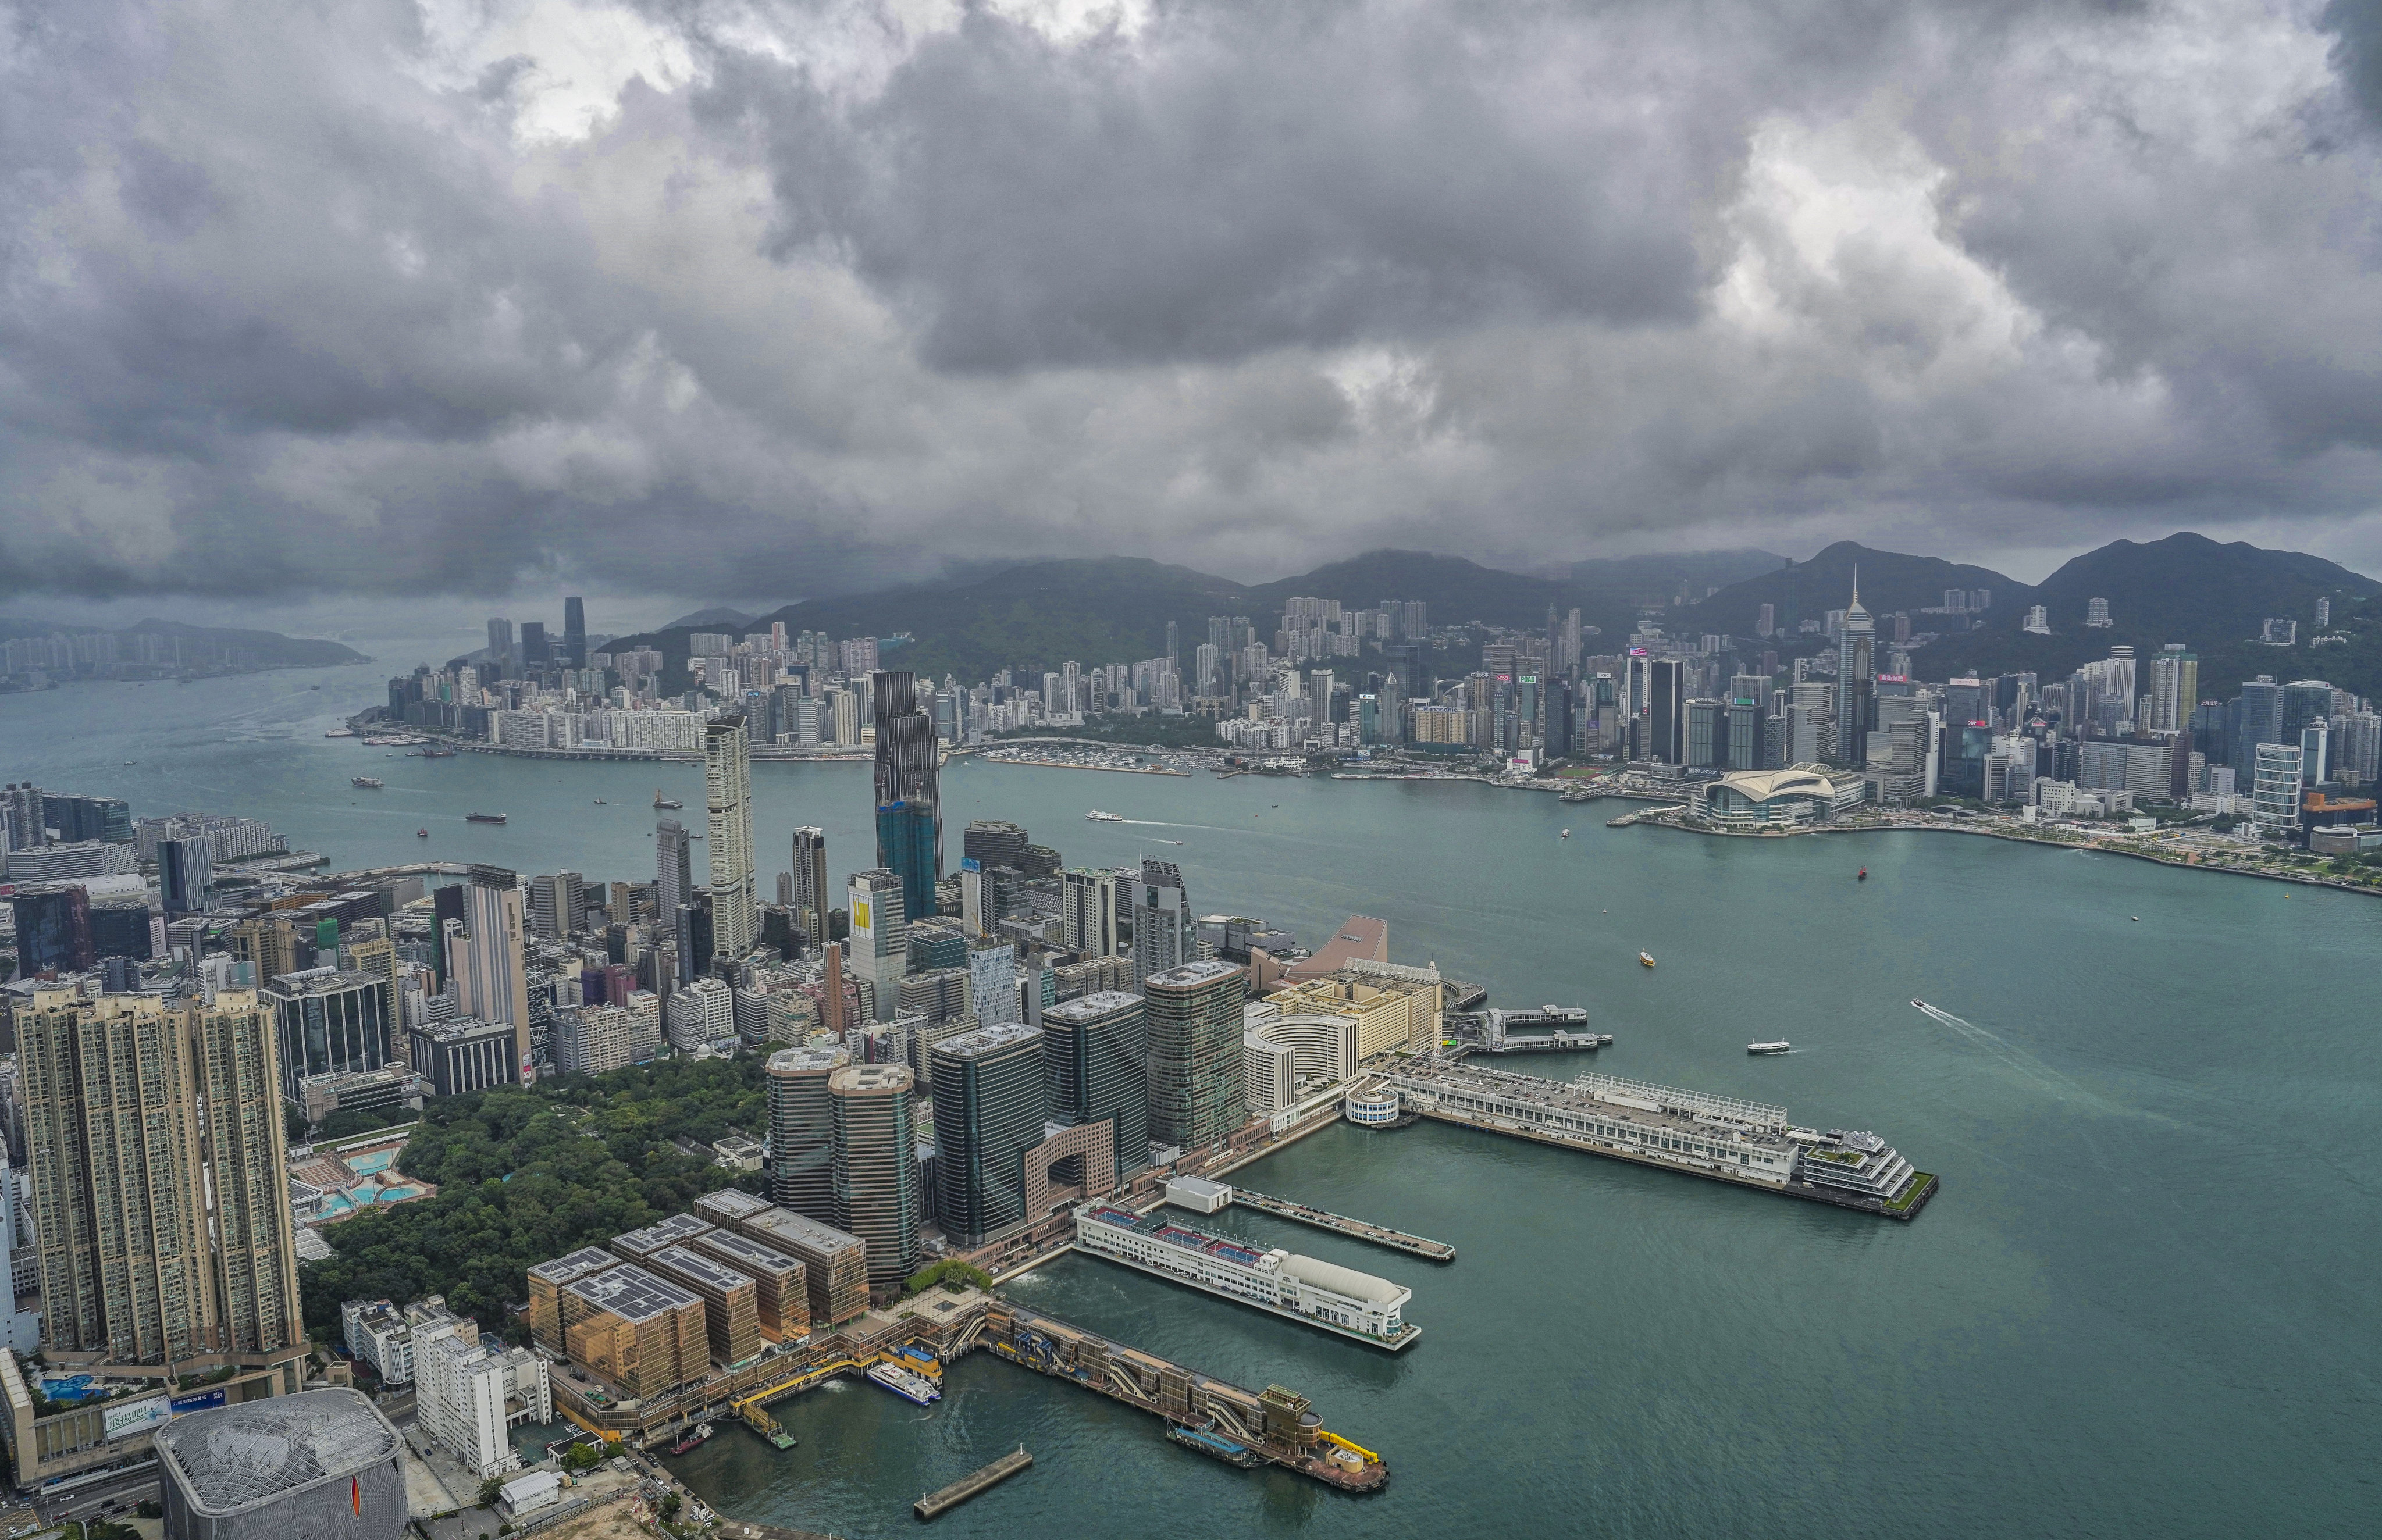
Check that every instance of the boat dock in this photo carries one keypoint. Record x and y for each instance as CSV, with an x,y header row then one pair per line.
x,y
1718,1138
1278,1425
945,1498
1379,1235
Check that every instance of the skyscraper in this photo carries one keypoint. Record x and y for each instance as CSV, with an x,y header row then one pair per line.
x,y
987,1090
1165,931
535,653
1855,681
1198,1085
1087,910
811,900
906,768
574,633
728,795
1095,1068
109,1098
186,874
673,867
905,845
327,1022
993,984
557,903
54,930
492,982
880,941
256,1243
500,642
802,1129
876,1167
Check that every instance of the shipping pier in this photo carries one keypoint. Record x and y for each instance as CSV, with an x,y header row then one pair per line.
x,y
1276,1426
1208,1197
1549,1029
1213,1417
1719,1138
945,1498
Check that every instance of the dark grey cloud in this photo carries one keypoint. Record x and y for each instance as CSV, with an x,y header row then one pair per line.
x,y
752,300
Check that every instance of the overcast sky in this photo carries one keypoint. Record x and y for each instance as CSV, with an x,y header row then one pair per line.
x,y
742,301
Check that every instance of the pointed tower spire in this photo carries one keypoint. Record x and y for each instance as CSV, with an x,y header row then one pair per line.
x,y
1855,584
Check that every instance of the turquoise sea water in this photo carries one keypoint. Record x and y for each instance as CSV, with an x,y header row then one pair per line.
x,y
2142,1303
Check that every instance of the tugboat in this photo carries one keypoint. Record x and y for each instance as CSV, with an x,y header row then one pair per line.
x,y
662,801
1646,959
902,1383
692,1439
483,818
1778,1047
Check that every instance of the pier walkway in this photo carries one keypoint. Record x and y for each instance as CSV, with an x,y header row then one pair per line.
x,y
943,1499
1379,1235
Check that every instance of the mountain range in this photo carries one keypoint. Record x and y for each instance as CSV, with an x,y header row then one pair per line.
x,y
2186,588
267,649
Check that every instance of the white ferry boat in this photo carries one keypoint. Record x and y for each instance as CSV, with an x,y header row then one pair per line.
x,y
1339,1299
1097,816
1778,1047
902,1383
341,732
365,783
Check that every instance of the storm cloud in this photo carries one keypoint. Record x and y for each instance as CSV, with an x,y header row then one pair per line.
x,y
754,300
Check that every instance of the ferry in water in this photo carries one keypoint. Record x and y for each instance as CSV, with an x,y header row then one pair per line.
x,y
1779,1048
1097,816
483,818
662,801
341,732
437,751
365,783
902,1383
694,1439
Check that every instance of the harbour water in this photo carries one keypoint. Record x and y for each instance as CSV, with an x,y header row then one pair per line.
x,y
2140,1305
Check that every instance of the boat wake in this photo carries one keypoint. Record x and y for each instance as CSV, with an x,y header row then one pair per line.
x,y
2018,1061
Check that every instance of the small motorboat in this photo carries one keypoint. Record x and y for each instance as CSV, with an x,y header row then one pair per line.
x,y
599,802
421,834
1565,834
1861,875
1782,1046
2134,917
1646,959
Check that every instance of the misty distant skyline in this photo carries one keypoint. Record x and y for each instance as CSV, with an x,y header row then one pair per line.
x,y
692,302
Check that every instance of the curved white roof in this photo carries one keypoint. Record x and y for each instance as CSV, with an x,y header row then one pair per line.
x,y
1760,786
1345,1281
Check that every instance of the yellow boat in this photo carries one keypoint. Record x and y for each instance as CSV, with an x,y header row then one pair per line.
x,y
1646,959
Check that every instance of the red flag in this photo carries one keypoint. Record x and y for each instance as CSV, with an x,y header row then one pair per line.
x,y
356,1495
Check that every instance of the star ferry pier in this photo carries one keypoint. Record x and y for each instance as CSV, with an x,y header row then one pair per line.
x,y
1744,1144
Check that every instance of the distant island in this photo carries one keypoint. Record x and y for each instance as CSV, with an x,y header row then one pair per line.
x,y
36,655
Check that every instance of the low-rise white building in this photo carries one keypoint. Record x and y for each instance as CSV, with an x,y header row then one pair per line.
x,y
378,1333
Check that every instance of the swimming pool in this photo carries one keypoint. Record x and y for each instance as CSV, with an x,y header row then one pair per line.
x,y
371,1162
